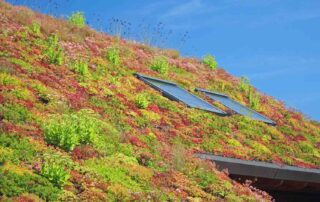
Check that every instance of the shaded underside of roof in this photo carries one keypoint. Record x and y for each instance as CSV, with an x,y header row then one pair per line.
x,y
270,176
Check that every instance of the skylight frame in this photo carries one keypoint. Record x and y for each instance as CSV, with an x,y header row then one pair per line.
x,y
211,93
175,98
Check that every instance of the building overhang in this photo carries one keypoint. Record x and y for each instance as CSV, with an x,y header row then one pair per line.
x,y
268,176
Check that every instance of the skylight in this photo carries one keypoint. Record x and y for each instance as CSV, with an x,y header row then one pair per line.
x,y
236,106
176,93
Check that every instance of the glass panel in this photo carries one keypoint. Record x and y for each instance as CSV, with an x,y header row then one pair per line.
x,y
236,106
174,92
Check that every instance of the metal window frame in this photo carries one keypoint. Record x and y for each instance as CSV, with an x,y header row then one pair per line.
x,y
145,79
263,169
207,92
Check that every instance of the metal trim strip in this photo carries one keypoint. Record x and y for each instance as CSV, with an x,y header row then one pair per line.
x,y
263,169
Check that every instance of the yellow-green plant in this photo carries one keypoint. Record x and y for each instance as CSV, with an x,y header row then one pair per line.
x,y
69,130
35,28
15,113
142,101
8,79
54,52
244,84
80,67
55,174
15,149
113,55
78,19
210,61
160,64
14,184
121,169
254,99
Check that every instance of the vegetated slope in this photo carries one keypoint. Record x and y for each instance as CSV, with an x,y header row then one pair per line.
x,y
77,125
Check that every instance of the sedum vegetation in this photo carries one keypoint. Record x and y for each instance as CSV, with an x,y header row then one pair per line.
x,y
160,64
210,61
53,52
142,101
55,174
78,19
76,125
69,130
113,55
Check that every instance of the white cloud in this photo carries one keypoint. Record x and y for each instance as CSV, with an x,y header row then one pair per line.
x,y
149,9
189,7
232,12
285,17
275,73
267,67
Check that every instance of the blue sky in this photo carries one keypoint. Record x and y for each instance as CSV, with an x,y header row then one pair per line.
x,y
275,43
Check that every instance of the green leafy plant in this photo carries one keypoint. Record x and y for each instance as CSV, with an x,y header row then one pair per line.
x,y
113,55
245,84
142,101
35,28
254,99
160,64
69,130
78,19
80,67
210,61
55,174
53,52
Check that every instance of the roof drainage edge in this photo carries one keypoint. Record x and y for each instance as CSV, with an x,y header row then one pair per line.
x,y
263,169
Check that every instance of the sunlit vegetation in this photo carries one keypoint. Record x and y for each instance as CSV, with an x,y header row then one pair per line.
x,y
76,125
160,64
122,171
14,112
113,55
78,19
245,84
69,130
55,174
210,61
254,99
35,28
7,79
53,50
15,149
14,184
82,69
252,96
142,101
